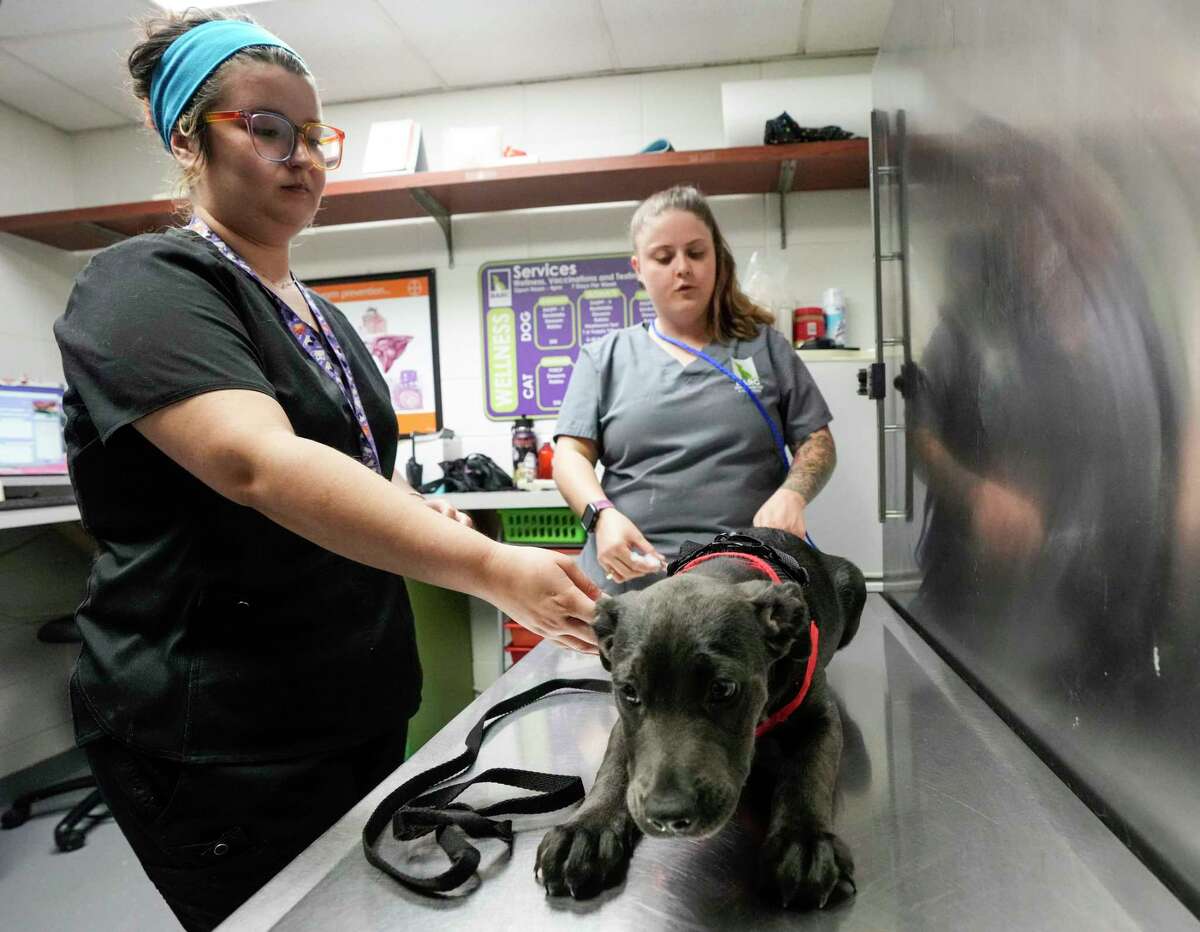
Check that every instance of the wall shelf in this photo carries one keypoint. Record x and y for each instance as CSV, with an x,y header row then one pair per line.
x,y
745,170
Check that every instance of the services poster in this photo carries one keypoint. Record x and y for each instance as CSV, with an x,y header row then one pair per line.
x,y
537,313
396,317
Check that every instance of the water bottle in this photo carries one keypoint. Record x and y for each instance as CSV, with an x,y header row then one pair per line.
x,y
524,452
835,315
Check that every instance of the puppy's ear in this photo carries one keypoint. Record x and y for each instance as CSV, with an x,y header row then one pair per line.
x,y
608,613
782,611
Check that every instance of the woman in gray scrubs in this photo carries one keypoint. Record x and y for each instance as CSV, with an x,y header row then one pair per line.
x,y
686,453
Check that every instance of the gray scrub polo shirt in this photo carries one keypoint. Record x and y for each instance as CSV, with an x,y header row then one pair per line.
x,y
686,454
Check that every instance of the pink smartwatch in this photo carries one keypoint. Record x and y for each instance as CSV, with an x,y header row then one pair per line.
x,y
591,514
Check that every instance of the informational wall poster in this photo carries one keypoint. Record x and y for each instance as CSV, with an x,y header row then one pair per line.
x,y
537,313
396,316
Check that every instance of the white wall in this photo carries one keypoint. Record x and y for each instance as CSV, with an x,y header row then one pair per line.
x,y
39,575
554,120
36,165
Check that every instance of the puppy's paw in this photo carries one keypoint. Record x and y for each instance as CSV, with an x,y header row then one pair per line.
x,y
585,856
807,870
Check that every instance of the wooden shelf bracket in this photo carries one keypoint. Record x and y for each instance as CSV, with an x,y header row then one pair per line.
x,y
787,174
104,233
434,208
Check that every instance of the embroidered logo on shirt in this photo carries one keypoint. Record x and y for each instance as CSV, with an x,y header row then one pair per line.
x,y
745,370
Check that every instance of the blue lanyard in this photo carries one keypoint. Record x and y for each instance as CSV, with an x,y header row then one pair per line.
x,y
780,446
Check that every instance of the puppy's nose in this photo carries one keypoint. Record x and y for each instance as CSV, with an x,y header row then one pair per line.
x,y
670,812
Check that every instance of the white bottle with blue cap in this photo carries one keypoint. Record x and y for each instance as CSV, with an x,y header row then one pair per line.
x,y
834,304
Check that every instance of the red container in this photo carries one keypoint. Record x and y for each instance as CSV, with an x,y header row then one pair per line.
x,y
516,653
519,636
808,323
545,462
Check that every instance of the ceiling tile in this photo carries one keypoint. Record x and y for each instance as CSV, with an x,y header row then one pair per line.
x,y
506,41
50,101
681,32
38,17
91,63
838,26
354,47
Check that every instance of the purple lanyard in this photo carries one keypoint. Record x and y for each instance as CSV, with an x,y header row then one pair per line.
x,y
310,343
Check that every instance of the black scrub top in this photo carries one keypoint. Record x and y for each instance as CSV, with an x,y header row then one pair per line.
x,y
210,632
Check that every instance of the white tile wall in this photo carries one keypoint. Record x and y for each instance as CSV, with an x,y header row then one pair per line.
x,y
36,165
601,116
829,245
503,107
554,120
594,230
838,93
113,166
34,279
43,573
685,106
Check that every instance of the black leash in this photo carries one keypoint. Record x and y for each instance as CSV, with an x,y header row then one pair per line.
x,y
415,808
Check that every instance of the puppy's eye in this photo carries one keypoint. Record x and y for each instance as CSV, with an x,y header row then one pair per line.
x,y
722,690
629,693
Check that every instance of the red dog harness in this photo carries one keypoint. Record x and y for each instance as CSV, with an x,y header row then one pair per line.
x,y
762,566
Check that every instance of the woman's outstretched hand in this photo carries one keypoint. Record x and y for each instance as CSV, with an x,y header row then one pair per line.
x,y
545,592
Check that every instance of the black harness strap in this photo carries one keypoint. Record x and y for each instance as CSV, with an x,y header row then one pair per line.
x,y
732,542
415,808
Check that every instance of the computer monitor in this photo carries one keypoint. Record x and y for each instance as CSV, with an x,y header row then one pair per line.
x,y
31,432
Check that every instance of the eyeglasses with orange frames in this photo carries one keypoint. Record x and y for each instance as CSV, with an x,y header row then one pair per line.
x,y
274,136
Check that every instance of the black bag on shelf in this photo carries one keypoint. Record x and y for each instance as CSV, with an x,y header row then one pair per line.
x,y
475,473
783,129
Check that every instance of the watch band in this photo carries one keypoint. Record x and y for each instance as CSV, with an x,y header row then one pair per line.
x,y
591,513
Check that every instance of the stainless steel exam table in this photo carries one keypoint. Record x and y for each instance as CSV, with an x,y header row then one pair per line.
x,y
954,824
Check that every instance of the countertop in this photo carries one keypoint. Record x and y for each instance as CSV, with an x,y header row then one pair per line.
x,y
953,822
465,501
512,498
31,517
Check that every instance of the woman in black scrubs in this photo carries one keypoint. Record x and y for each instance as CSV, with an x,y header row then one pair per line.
x,y
249,664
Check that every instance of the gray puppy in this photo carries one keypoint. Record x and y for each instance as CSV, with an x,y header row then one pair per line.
x,y
698,662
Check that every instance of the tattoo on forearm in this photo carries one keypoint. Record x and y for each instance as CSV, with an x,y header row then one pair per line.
x,y
813,465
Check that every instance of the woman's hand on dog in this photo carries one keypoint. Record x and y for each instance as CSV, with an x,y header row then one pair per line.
x,y
783,510
616,539
545,592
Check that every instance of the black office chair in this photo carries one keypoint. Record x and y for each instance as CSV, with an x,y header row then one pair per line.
x,y
71,829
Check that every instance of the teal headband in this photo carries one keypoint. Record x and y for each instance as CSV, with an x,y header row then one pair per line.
x,y
190,59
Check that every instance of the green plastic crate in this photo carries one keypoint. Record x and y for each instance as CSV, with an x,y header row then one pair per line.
x,y
551,526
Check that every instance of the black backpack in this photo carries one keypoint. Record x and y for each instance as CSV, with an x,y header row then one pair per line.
x,y
475,473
